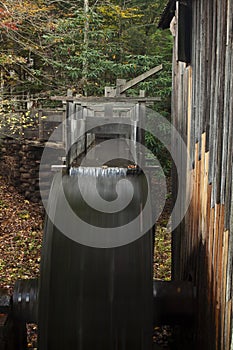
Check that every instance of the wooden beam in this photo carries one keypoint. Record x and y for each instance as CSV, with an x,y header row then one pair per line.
x,y
94,99
140,78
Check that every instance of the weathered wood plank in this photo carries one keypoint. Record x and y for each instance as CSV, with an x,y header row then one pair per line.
x,y
224,284
203,114
140,78
82,100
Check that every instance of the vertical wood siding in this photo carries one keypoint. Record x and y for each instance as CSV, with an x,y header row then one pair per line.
x,y
202,108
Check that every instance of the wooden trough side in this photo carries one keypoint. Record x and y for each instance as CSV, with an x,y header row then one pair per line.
x,y
202,113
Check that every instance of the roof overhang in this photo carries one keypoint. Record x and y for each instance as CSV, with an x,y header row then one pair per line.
x,y
167,15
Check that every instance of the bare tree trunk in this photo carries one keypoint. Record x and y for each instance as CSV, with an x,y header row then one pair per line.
x,y
86,44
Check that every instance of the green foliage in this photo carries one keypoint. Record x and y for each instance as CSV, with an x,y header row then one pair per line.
x,y
48,47
161,153
156,146
13,121
123,41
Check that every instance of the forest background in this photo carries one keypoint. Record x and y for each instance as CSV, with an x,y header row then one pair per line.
x,y
47,47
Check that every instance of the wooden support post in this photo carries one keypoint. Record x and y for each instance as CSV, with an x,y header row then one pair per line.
x,y
141,132
142,93
120,83
64,115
